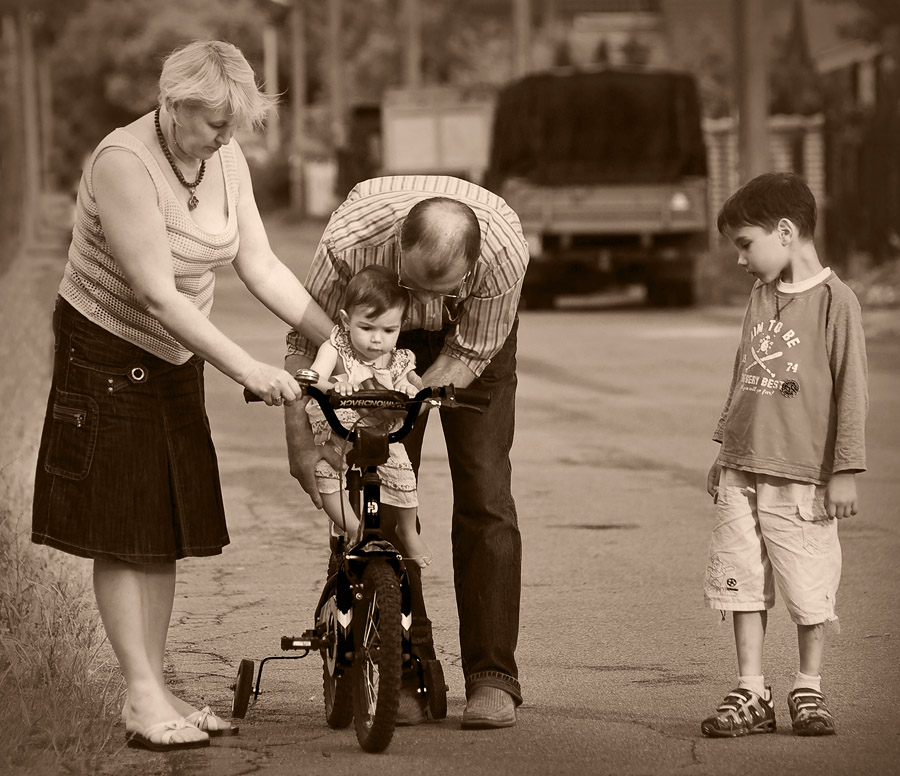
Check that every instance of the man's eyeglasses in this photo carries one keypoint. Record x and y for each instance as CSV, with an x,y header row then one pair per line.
x,y
455,295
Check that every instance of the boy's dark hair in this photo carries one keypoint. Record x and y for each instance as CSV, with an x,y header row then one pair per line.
x,y
768,198
375,288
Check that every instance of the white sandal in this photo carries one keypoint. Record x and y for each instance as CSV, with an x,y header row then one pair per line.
x,y
209,723
164,731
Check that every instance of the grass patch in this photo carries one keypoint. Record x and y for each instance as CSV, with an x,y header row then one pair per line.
x,y
60,688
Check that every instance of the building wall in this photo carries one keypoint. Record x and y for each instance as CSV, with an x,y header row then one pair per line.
x,y
796,144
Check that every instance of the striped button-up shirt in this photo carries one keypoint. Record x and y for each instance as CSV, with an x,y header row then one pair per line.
x,y
362,231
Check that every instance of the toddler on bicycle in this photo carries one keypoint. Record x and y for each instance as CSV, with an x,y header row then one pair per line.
x,y
792,437
362,348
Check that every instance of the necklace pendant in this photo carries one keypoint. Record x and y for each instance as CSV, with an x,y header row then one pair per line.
x,y
193,202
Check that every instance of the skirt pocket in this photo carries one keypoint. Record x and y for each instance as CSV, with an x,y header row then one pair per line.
x,y
73,435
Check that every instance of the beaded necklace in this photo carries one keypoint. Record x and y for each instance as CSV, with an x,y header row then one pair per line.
x,y
191,187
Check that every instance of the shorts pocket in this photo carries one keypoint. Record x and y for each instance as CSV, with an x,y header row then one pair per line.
x,y
819,530
73,435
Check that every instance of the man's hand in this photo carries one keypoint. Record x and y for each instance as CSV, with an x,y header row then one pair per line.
x,y
302,465
303,453
840,495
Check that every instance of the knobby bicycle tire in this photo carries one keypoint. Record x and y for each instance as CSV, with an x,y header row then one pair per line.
x,y
378,665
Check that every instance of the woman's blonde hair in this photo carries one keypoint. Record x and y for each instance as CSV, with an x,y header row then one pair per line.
x,y
215,75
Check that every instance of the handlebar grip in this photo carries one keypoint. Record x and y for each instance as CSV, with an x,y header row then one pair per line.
x,y
472,396
249,396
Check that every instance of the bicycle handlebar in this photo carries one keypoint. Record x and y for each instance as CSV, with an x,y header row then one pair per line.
x,y
446,396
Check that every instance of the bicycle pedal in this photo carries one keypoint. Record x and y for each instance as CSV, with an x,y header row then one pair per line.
x,y
309,641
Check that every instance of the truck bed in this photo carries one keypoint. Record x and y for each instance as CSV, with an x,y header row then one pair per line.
x,y
610,209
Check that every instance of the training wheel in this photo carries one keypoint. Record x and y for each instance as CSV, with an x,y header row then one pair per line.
x,y
436,688
243,686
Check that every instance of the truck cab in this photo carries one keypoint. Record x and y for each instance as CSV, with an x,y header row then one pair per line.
x,y
607,172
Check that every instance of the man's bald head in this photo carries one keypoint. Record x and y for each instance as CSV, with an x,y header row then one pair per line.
x,y
443,234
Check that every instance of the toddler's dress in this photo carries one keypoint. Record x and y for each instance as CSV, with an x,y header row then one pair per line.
x,y
398,481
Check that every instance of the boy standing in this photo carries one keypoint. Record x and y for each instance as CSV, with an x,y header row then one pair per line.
x,y
793,438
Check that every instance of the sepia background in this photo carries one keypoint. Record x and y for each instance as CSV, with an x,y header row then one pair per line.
x,y
628,329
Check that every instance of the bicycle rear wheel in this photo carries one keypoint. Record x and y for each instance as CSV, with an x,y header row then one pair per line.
x,y
378,666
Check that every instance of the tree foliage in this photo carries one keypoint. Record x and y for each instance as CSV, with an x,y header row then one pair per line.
x,y
457,47
107,57
875,16
108,53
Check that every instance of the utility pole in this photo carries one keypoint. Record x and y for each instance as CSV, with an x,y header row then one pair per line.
x,y
270,62
31,124
752,49
45,114
12,136
412,17
521,37
336,70
298,103
550,16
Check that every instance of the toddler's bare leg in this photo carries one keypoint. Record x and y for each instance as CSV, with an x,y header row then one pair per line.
x,y
415,547
347,521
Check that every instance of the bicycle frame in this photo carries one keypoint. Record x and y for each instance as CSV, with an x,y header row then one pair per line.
x,y
370,448
363,618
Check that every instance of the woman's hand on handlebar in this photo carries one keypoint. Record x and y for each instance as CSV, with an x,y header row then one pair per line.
x,y
272,384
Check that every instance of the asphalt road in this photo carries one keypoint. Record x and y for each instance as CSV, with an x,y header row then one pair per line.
x,y
619,660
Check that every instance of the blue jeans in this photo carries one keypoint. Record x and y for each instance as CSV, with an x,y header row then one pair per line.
x,y
487,546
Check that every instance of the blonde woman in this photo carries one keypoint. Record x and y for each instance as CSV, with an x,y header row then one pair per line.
x,y
127,472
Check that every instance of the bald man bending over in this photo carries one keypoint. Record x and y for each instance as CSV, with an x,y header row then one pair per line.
x,y
459,251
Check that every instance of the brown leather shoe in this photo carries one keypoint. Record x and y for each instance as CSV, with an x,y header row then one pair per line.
x,y
489,708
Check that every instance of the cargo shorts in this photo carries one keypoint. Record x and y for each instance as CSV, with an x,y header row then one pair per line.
x,y
772,530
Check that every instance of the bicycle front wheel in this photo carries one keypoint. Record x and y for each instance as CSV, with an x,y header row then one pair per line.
x,y
378,665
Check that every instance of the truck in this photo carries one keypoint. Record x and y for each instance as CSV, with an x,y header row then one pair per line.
x,y
607,171
605,167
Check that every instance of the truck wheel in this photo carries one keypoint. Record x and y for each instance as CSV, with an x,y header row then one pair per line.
x,y
537,299
683,294
670,291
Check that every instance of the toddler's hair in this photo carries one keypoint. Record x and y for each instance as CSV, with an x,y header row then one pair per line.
x,y
768,198
375,288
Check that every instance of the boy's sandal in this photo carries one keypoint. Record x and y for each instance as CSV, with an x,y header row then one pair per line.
x,y
741,713
158,738
809,714
209,723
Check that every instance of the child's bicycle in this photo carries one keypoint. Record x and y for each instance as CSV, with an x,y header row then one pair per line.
x,y
364,615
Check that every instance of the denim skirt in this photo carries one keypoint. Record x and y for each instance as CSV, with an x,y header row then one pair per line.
x,y
126,468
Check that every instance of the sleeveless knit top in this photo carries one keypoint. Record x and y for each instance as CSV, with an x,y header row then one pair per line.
x,y
93,282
